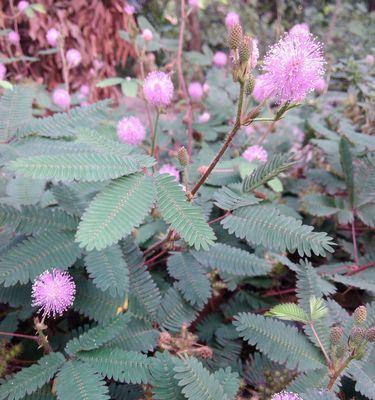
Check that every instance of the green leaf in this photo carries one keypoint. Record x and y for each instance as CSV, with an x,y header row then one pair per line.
x,y
119,365
6,85
288,312
28,380
318,309
79,381
347,167
280,342
196,382
28,259
192,280
184,217
39,7
69,167
109,82
108,270
228,380
115,211
264,225
129,88
319,394
229,199
272,168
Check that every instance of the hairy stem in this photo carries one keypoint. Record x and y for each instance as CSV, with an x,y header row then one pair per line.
x,y
326,356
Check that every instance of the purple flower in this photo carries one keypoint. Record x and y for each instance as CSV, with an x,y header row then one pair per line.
x,y
286,396
370,59
195,90
13,37
130,130
300,29
61,98
292,67
129,9
255,153
171,170
147,35
203,118
53,292
53,36
3,71
73,57
220,59
22,5
194,3
84,91
232,19
158,89
320,85
255,54
262,89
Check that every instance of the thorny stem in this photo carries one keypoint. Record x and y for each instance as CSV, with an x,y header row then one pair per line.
x,y
221,152
329,362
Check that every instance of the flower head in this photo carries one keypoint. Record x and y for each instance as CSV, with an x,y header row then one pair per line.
x,y
220,59
53,292
255,54
129,9
73,57
130,130
171,170
147,35
3,71
194,3
320,85
255,153
13,37
61,98
262,89
293,66
232,19
84,90
286,396
370,59
203,118
158,89
53,36
195,90
300,29
22,5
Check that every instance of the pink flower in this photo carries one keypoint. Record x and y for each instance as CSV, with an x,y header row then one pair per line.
x,y
255,153
61,98
249,130
286,396
195,90
22,5
262,89
3,72
84,90
130,130
147,35
53,292
158,89
203,118
206,87
300,29
13,37
73,57
171,170
53,36
129,9
293,66
232,19
320,85
194,3
255,54
220,59
370,59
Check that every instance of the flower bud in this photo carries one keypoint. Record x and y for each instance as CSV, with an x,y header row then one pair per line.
x,y
244,49
235,36
183,156
360,315
205,352
165,338
357,335
340,351
370,334
336,335
250,85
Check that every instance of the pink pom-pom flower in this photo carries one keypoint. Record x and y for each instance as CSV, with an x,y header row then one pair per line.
x,y
255,54
262,89
292,67
53,292
84,91
158,89
3,71
320,85
220,59
255,153
13,37
61,98
147,35
286,396
195,90
300,29
129,9
171,170
370,59
232,19
22,5
73,57
130,130
53,36
194,3
203,118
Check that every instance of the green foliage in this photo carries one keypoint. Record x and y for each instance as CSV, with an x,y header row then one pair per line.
x,y
280,342
227,198
184,217
265,225
115,211
28,380
288,312
79,381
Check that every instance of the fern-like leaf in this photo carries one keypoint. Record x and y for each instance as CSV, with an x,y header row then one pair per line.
x,y
28,380
280,342
288,312
115,211
184,217
264,225
228,199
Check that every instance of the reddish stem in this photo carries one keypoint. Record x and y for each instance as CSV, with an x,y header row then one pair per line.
x,y
278,292
19,335
219,218
151,260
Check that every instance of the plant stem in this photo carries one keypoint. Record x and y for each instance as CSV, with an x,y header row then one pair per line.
x,y
337,373
221,152
19,335
329,362
354,238
153,145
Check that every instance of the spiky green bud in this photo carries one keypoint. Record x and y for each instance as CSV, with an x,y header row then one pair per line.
x,y
235,36
360,315
244,49
183,156
357,335
370,334
340,350
250,85
336,335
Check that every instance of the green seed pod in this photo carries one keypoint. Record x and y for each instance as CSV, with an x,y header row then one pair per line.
x,y
183,156
370,334
336,335
360,315
357,335
244,49
235,37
